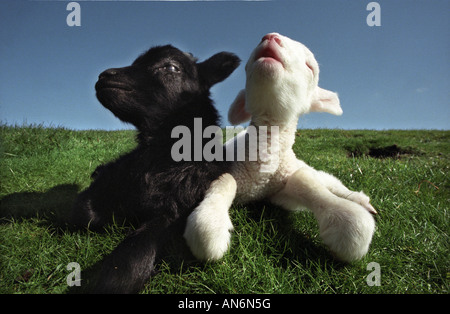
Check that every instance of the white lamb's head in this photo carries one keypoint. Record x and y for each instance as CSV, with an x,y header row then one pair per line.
x,y
282,83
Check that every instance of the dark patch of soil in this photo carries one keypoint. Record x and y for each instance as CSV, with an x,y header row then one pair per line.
x,y
392,151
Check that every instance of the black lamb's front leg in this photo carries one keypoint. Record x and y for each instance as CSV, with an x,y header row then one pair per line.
x,y
83,214
95,206
132,262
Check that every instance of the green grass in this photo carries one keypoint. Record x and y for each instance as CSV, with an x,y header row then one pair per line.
x,y
272,251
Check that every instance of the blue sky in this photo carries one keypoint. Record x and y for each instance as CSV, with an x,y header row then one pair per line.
x,y
395,76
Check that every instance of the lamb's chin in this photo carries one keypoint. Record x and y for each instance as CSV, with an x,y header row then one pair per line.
x,y
267,67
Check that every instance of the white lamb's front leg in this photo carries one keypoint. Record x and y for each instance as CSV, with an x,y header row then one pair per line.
x,y
345,226
208,227
336,187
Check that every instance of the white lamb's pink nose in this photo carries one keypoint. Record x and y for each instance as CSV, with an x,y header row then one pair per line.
x,y
272,36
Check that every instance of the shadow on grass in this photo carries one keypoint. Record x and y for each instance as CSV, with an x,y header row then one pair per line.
x,y
301,247
53,208
54,205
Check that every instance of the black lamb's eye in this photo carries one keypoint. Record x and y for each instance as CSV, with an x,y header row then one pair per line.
x,y
172,68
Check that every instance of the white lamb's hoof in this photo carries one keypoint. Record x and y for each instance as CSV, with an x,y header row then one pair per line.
x,y
363,200
347,232
208,227
208,242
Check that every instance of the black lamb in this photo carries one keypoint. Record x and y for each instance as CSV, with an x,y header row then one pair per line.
x,y
162,89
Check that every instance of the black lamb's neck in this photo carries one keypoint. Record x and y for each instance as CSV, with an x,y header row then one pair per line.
x,y
192,117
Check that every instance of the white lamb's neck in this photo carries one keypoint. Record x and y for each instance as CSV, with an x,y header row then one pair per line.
x,y
286,130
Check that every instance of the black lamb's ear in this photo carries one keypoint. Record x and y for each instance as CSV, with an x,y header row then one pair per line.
x,y
218,67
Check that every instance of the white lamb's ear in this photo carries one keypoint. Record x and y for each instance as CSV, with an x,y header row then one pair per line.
x,y
325,101
237,113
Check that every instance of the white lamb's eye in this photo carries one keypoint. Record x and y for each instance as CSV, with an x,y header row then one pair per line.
x,y
310,67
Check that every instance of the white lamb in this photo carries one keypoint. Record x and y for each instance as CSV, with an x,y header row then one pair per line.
x,y
282,84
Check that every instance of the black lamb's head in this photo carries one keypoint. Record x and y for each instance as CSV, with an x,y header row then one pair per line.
x,y
164,87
